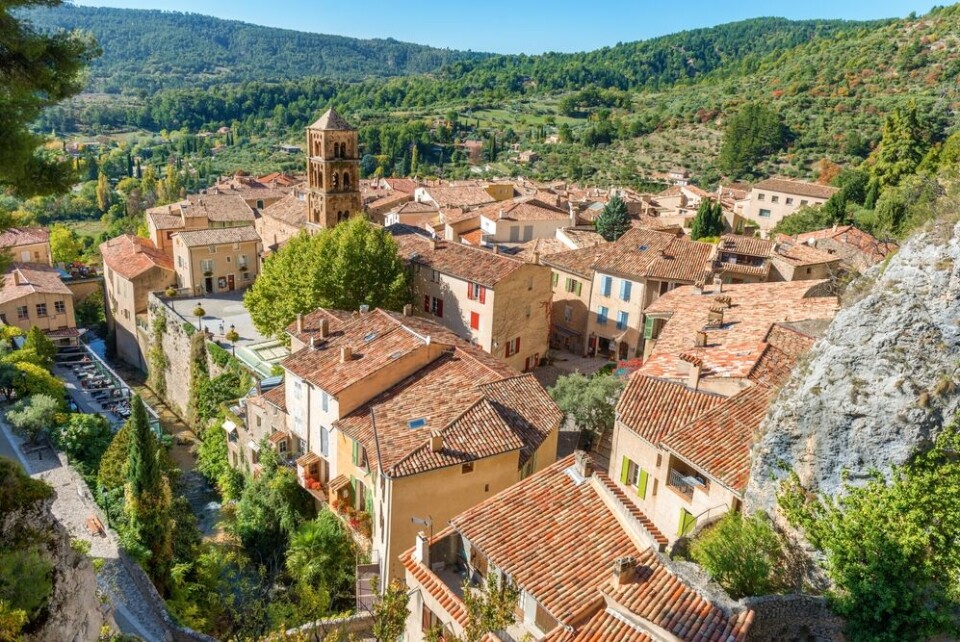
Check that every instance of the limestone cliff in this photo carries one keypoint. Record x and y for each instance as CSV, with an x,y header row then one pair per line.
x,y
880,382
73,611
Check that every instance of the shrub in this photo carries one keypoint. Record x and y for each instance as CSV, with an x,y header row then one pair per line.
x,y
742,554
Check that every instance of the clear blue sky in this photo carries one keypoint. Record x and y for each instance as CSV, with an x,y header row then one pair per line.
x,y
515,26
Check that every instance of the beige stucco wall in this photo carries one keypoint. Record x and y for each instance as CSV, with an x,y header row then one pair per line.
x,y
31,253
783,271
662,503
51,321
579,312
778,210
632,334
499,230
125,299
187,262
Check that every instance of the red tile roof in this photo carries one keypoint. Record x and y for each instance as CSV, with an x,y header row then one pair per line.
x,y
654,408
649,254
580,261
747,245
799,254
455,259
525,210
855,238
218,236
289,209
14,236
130,256
799,188
23,279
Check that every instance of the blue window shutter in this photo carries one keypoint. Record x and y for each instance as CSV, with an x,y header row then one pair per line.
x,y
625,287
607,284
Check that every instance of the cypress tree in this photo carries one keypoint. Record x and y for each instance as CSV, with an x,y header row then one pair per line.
x,y
143,469
614,220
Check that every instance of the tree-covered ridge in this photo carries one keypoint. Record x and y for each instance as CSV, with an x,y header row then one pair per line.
x,y
148,50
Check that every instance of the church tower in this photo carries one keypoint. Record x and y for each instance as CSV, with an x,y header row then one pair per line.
x,y
333,171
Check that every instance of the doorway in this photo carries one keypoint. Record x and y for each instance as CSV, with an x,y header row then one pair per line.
x,y
208,284
231,283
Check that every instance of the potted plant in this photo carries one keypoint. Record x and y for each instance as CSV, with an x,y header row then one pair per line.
x,y
170,292
208,273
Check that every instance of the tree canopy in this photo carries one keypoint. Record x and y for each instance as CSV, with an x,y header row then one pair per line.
x,y
345,267
708,221
37,70
589,401
614,220
751,134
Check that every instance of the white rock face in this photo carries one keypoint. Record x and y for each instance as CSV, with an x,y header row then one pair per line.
x,y
881,382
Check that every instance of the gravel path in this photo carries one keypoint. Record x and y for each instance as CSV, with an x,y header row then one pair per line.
x,y
71,506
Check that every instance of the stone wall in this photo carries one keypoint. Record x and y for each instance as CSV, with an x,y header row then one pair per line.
x,y
793,618
360,624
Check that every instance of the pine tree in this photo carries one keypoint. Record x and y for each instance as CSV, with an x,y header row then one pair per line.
x,y
614,221
709,220
902,146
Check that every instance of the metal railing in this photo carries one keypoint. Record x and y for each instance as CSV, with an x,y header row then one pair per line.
x,y
680,483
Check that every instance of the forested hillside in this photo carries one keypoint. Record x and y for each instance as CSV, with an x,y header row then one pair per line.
x,y
144,51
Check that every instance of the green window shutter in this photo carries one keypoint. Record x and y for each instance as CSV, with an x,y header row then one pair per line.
x,y
578,286
556,279
623,470
356,454
687,522
369,506
642,484
648,327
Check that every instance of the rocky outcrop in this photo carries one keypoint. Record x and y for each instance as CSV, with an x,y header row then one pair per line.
x,y
880,383
73,612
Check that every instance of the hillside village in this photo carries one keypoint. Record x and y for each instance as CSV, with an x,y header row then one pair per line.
x,y
427,429
364,394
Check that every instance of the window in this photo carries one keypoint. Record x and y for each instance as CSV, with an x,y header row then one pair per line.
x,y
476,292
245,276
41,309
59,307
435,276
359,455
606,285
567,314
283,446
513,347
466,468
474,321
514,234
297,389
301,445
206,265
789,201
228,259
259,205
259,421
212,249
436,306
570,285
22,312
179,261
764,213
324,401
774,199
25,256
625,288
602,314
556,279
324,441
759,196
633,476
803,202
242,261
622,320
527,232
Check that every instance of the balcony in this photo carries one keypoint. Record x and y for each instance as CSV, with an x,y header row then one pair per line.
x,y
308,475
684,482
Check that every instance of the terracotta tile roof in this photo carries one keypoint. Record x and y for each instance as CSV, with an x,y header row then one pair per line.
x,y
311,323
131,256
742,269
654,408
525,210
746,245
279,178
455,259
289,209
718,441
218,236
733,347
405,185
553,536
331,120
798,188
583,238
14,236
164,220
472,237
218,208
277,397
454,215
415,207
465,196
580,261
799,254
433,585
540,247
22,279
648,254
388,202
853,237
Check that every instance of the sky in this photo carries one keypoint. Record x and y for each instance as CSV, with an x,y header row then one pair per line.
x,y
518,26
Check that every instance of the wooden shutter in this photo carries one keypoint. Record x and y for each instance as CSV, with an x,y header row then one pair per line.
x,y
642,484
469,290
440,308
624,470
483,294
687,522
648,327
356,454
426,303
577,287
474,320
556,279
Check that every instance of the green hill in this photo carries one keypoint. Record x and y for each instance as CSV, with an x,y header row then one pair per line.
x,y
150,50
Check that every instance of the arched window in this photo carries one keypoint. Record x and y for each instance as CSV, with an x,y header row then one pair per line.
x,y
336,181
346,180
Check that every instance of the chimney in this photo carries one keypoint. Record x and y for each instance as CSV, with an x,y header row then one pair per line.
x,y
536,258
346,354
699,285
259,388
299,323
17,277
718,281
623,570
696,368
724,299
313,342
324,328
715,316
496,249
421,551
573,214
436,441
407,310
701,340
583,464
436,243
364,308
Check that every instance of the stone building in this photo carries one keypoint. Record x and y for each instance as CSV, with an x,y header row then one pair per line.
x,y
333,171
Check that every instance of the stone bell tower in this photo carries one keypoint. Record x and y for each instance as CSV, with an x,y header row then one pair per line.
x,y
333,171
